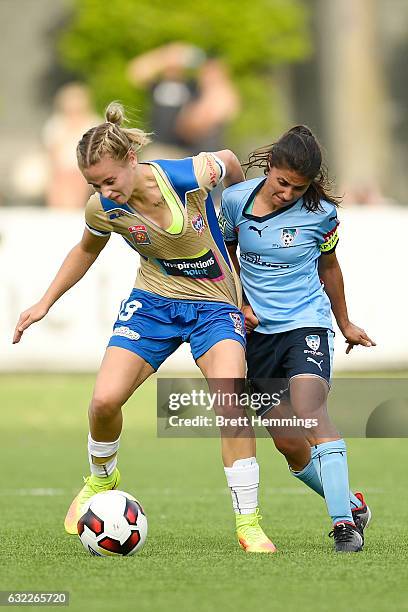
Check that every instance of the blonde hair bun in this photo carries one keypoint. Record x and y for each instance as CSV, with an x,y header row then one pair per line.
x,y
115,113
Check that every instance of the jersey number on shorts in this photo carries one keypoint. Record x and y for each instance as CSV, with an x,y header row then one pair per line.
x,y
128,308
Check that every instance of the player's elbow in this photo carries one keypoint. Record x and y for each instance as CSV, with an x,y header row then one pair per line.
x,y
233,170
328,263
228,156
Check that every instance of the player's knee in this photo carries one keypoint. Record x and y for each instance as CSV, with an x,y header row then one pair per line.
x,y
311,411
289,446
104,406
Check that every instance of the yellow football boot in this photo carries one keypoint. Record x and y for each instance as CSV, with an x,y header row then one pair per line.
x,y
251,536
93,484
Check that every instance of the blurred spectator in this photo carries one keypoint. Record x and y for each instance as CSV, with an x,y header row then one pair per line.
x,y
72,116
364,194
28,178
192,99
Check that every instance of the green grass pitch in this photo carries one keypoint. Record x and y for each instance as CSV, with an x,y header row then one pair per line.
x,y
191,560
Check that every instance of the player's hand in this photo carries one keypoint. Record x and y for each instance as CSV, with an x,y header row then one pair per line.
x,y
251,320
29,316
356,336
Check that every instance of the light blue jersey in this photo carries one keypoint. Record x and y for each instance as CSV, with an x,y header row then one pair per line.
x,y
279,255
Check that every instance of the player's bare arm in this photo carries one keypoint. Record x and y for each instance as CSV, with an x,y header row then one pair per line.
x,y
74,267
234,173
332,278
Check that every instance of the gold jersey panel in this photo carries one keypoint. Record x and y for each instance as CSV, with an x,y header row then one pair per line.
x,y
192,265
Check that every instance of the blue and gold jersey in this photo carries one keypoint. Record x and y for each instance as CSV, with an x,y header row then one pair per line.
x,y
192,264
279,255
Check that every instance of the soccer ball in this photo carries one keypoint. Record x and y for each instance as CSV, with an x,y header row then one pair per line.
x,y
113,524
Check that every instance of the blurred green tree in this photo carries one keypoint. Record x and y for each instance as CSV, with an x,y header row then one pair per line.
x,y
254,38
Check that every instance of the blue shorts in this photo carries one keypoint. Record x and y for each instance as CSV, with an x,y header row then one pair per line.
x,y
153,326
273,359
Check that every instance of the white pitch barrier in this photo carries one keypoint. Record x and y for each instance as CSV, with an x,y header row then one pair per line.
x,y
73,336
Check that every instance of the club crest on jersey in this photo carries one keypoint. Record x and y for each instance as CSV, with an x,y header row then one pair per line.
x,y
139,234
288,234
198,224
237,321
313,342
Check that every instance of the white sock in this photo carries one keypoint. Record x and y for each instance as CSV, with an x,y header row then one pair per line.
x,y
243,480
99,450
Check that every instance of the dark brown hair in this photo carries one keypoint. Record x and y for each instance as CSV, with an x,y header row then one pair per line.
x,y
298,150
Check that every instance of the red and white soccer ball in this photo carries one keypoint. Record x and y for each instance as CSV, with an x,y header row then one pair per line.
x,y
113,524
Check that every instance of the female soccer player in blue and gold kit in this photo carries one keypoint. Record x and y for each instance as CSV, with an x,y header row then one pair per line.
x,y
186,289
287,229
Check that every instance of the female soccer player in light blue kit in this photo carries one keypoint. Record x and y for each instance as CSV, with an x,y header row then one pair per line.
x,y
287,230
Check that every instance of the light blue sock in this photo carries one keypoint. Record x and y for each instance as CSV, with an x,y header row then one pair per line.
x,y
330,461
311,479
